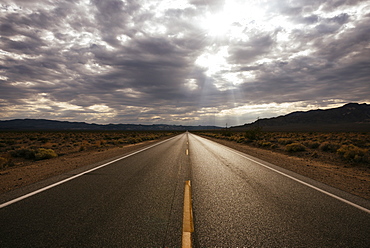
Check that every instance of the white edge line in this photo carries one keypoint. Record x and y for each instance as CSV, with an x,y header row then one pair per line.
x,y
302,182
78,175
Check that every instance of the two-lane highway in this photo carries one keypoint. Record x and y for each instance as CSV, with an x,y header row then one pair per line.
x,y
137,201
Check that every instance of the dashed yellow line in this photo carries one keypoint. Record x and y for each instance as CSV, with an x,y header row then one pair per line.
x,y
187,223
187,151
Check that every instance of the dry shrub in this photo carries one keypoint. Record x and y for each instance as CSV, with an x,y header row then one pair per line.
x,y
329,147
315,154
253,134
264,143
239,139
353,153
285,141
23,153
43,139
134,140
226,133
3,162
295,147
43,153
312,144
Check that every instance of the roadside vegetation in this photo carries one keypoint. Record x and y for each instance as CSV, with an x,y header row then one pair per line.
x,y
348,148
16,148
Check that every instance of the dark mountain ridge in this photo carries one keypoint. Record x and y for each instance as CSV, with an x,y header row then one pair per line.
x,y
349,117
42,124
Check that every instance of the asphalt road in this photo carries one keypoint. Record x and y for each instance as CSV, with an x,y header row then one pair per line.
x,y
137,201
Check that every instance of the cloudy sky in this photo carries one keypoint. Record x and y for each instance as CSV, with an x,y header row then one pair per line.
x,y
185,62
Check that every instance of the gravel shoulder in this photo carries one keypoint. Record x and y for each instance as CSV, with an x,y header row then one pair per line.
x,y
355,180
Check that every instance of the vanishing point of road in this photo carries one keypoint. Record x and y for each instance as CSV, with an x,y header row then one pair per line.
x,y
141,200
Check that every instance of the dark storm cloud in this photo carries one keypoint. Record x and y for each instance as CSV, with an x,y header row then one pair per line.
x,y
138,61
112,18
246,52
153,66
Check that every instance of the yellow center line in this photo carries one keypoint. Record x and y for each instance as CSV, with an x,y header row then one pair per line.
x,y
187,223
187,152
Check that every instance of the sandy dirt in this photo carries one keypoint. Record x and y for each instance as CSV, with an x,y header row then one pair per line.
x,y
355,180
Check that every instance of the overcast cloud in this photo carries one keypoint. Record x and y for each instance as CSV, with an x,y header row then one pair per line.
x,y
186,62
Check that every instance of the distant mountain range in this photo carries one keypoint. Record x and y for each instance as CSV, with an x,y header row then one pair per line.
x,y
41,124
349,117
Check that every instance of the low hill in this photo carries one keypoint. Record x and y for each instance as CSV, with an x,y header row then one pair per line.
x,y
41,124
349,117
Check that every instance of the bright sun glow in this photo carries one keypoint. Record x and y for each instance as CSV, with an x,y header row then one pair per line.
x,y
214,61
236,22
232,18
217,24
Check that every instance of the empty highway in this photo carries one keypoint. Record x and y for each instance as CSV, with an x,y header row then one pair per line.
x,y
137,200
